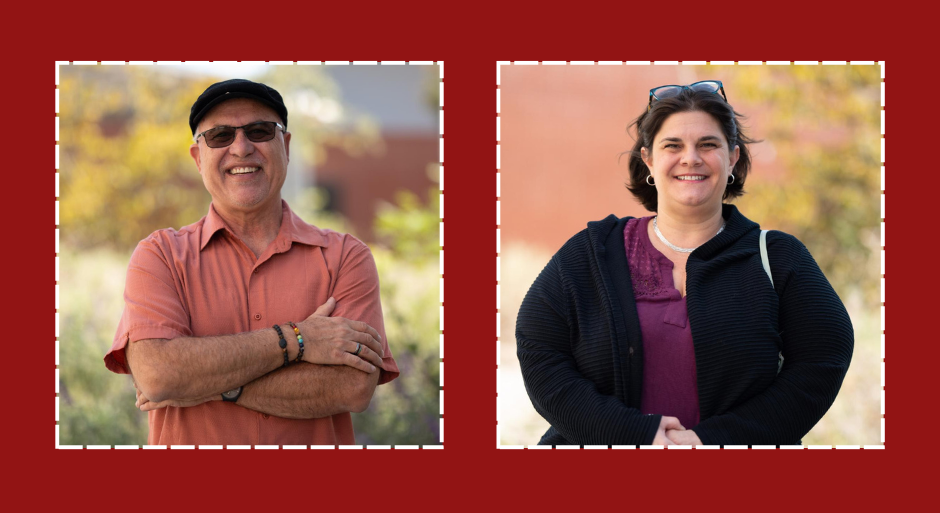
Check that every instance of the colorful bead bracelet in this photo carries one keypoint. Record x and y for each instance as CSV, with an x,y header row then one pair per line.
x,y
300,340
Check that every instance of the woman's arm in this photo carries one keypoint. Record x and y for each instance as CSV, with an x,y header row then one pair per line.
x,y
567,400
817,341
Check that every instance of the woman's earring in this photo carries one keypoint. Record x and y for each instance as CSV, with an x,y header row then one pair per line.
x,y
648,182
732,180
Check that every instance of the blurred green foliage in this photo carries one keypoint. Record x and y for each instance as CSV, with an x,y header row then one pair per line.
x,y
97,407
830,195
406,410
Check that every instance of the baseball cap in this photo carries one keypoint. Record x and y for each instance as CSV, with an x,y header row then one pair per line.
x,y
231,89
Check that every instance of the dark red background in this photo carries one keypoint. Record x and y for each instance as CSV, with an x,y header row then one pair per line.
x,y
469,471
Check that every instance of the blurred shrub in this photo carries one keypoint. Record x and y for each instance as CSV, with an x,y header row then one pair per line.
x,y
97,407
406,410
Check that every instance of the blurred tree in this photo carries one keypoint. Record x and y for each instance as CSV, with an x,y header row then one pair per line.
x,y
319,116
125,168
409,229
407,410
826,132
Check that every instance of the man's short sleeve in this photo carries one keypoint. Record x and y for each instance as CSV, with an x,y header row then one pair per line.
x,y
153,304
357,297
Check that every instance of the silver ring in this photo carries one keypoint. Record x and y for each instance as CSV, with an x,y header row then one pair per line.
x,y
358,349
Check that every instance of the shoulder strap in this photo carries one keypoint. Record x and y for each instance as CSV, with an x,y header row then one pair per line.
x,y
766,263
763,255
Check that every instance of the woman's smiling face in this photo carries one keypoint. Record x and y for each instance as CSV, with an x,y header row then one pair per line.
x,y
690,161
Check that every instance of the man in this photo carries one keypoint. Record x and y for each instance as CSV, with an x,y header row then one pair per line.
x,y
205,329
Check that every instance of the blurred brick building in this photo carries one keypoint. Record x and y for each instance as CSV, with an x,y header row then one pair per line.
x,y
562,132
397,98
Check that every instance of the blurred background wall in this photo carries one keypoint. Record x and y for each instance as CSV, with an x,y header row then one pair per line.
x,y
816,175
364,160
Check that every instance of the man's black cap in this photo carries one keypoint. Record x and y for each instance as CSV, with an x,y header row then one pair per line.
x,y
231,89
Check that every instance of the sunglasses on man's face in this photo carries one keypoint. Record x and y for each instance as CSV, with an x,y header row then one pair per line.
x,y
222,136
668,91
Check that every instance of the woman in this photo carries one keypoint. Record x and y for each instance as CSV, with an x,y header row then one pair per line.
x,y
667,329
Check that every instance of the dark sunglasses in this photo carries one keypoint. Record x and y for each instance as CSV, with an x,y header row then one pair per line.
x,y
222,136
668,91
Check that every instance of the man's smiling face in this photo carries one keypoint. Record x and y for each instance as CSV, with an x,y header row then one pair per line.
x,y
244,177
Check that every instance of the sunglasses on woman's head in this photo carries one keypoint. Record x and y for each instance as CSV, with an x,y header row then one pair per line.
x,y
668,91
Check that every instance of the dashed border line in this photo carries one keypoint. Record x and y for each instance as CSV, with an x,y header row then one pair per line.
x,y
255,447
440,64
698,63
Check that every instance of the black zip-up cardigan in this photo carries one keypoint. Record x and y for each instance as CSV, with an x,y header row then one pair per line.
x,y
581,351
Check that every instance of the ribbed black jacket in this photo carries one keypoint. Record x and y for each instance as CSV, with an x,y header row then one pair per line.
x,y
579,343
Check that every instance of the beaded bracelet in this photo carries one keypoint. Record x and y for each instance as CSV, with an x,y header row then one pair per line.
x,y
300,340
283,343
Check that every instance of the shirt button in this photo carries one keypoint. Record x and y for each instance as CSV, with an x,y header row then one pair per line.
x,y
255,271
257,317
264,416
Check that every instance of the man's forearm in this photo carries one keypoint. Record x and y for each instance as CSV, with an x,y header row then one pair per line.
x,y
194,367
307,391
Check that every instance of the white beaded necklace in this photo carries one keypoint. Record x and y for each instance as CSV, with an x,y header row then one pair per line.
x,y
673,246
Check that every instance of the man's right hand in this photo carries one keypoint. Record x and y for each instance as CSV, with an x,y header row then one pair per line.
x,y
333,340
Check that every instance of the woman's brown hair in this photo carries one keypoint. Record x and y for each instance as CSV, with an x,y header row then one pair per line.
x,y
649,123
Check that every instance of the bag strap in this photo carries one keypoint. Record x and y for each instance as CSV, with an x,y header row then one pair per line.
x,y
766,263
763,255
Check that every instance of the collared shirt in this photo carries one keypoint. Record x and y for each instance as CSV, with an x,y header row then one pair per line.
x,y
203,281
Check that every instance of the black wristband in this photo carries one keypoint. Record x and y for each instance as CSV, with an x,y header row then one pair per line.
x,y
283,343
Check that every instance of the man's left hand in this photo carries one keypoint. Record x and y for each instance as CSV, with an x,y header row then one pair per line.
x,y
146,404
683,437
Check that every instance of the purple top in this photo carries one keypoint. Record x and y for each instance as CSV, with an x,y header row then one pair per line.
x,y
669,380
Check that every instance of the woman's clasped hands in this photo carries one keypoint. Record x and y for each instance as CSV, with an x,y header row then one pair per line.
x,y
671,432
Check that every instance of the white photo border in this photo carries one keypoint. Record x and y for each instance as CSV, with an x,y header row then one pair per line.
x,y
699,63
440,64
